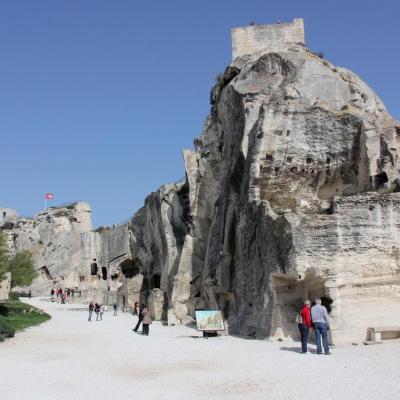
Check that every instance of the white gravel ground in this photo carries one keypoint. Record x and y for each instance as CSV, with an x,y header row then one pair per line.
x,y
72,359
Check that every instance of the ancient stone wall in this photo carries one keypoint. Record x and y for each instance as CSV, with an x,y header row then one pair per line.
x,y
253,38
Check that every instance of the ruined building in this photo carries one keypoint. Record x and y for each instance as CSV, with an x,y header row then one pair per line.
x,y
292,192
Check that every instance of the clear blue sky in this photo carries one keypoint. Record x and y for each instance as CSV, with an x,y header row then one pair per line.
x,y
98,97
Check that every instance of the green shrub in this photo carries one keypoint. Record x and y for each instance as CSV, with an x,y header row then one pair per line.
x,y
22,269
13,296
4,310
6,331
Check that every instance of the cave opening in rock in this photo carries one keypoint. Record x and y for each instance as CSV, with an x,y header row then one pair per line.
x,y
156,281
129,268
290,293
380,181
104,273
315,287
93,269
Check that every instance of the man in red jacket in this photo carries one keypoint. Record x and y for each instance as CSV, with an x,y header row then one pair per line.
x,y
305,325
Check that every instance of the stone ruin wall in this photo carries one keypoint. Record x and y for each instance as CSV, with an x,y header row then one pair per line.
x,y
291,193
250,39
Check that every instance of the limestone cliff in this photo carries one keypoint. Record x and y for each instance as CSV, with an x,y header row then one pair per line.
x,y
291,193
54,237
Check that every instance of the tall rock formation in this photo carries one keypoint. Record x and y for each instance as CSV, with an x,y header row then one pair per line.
x,y
291,193
54,237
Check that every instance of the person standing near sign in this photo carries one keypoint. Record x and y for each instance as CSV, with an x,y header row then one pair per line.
x,y
146,320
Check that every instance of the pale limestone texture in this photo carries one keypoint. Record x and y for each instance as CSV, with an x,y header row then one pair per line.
x,y
54,237
291,193
5,286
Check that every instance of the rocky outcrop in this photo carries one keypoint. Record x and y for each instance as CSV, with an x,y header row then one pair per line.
x,y
5,286
291,193
54,237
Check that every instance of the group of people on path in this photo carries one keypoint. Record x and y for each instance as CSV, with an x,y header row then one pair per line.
x,y
61,295
142,311
316,318
98,309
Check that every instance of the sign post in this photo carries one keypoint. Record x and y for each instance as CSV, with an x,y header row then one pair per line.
x,y
209,322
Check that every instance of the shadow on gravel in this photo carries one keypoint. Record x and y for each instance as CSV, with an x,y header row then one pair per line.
x,y
189,336
297,350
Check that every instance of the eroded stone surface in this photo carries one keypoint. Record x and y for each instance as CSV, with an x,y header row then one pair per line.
x,y
291,193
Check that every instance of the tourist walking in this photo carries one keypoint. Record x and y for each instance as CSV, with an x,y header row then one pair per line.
x,y
146,320
97,310
140,315
136,308
101,312
320,321
304,324
115,307
91,308
62,296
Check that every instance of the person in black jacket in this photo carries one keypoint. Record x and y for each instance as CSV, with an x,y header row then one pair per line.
x,y
140,317
91,308
97,311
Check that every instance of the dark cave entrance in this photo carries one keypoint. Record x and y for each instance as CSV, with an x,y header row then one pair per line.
x,y
129,268
104,273
93,268
380,181
156,281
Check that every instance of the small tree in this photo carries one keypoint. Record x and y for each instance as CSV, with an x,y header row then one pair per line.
x,y
22,269
3,256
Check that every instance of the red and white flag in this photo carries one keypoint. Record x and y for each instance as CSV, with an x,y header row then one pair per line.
x,y
49,196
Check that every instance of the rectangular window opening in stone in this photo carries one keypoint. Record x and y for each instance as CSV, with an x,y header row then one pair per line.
x,y
93,269
104,273
156,281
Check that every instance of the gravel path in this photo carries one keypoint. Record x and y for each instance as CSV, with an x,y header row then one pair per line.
x,y
72,359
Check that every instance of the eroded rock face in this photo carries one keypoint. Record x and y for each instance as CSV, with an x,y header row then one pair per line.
x,y
291,193
290,142
54,237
